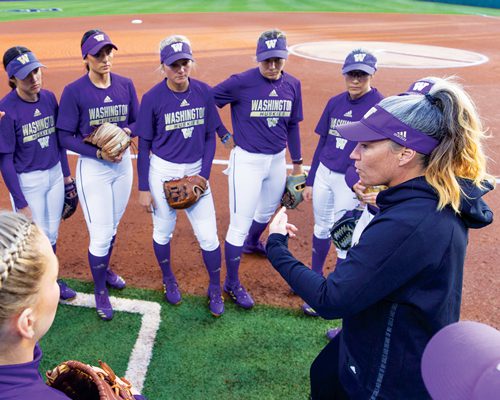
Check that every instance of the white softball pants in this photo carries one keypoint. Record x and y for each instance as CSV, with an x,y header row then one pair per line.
x,y
256,185
201,215
103,190
362,223
44,192
331,199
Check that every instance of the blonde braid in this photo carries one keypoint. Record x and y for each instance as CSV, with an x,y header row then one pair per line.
x,y
21,263
14,234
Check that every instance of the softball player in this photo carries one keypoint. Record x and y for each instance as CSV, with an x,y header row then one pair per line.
x,y
177,123
33,164
326,183
104,186
266,108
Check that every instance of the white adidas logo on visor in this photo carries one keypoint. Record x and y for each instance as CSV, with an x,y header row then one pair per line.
x,y
401,135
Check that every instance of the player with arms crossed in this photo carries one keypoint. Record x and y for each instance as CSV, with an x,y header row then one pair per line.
x,y
177,124
33,164
266,108
326,183
104,183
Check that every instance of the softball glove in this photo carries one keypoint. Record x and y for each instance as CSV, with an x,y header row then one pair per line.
x,y
342,230
184,192
295,185
81,381
110,139
70,199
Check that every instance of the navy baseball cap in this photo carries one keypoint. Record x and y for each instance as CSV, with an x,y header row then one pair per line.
x,y
271,48
22,65
95,43
176,51
462,362
360,60
379,124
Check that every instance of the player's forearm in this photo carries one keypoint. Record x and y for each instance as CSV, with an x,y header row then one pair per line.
x,y
70,142
11,180
143,164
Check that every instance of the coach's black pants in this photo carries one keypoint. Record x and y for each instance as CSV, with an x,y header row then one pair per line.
x,y
325,383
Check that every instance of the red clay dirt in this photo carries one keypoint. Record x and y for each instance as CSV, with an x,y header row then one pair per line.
x,y
224,44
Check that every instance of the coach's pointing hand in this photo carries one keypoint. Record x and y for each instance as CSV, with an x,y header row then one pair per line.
x,y
280,224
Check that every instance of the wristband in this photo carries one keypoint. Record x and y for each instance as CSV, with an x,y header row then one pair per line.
x,y
225,138
298,162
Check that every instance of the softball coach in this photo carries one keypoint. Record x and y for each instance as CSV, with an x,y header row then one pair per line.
x,y
403,281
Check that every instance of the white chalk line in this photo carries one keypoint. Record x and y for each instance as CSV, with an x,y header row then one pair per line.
x,y
141,354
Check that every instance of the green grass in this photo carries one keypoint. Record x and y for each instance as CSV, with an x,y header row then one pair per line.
x,y
97,7
264,353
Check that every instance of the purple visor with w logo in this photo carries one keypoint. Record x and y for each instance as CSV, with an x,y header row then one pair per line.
x,y
378,124
22,65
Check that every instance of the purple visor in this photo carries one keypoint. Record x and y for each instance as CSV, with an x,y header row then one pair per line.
x,y
22,65
420,87
462,362
95,43
176,51
378,124
271,48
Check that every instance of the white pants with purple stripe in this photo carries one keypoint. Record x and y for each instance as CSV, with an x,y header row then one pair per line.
x,y
201,215
44,192
103,191
256,185
331,199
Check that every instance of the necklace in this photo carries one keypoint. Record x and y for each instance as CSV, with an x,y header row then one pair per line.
x,y
182,100
274,92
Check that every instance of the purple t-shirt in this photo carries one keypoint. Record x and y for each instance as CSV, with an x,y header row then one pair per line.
x,y
263,112
28,130
341,110
23,381
83,106
178,124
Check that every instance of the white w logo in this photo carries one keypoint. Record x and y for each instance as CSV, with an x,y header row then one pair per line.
x,y
272,122
44,142
271,44
359,57
176,47
340,143
23,59
99,38
419,86
187,132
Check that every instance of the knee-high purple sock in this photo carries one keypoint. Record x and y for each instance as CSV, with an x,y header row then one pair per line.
x,y
110,251
319,253
162,253
98,267
233,257
255,231
212,261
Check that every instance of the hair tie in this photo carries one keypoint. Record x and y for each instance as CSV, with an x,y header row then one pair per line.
x,y
431,99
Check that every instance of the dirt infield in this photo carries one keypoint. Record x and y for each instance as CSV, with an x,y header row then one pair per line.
x,y
224,44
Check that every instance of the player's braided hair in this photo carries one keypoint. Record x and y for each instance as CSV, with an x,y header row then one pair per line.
x,y
21,264
9,55
449,115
